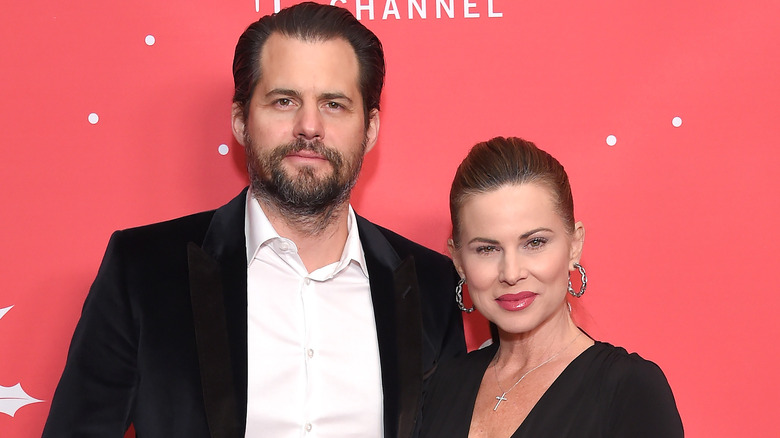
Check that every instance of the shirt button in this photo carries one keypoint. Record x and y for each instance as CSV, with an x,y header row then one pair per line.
x,y
308,427
310,353
284,247
307,281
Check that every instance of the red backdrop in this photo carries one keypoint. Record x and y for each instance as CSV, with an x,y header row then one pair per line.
x,y
682,222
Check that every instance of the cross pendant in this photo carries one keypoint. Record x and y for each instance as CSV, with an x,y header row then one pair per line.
x,y
500,398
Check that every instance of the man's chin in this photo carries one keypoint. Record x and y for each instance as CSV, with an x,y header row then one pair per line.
x,y
307,175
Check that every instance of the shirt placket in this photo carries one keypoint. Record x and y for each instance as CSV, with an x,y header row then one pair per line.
x,y
308,353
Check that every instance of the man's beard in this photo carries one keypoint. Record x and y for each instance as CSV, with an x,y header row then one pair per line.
x,y
302,197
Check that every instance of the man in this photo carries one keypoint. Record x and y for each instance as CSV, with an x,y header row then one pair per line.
x,y
281,313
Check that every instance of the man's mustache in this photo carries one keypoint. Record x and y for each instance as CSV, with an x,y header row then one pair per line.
x,y
315,146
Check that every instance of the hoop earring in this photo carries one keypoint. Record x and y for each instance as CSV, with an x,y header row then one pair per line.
x,y
584,281
459,296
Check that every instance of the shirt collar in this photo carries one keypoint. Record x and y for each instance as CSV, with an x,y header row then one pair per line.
x,y
258,231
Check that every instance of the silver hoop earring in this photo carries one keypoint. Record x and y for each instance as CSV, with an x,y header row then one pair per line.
x,y
584,281
459,297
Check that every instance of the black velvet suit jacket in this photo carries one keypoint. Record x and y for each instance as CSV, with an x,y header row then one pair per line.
x,y
162,339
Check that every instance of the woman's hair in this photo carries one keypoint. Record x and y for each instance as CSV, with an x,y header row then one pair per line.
x,y
501,161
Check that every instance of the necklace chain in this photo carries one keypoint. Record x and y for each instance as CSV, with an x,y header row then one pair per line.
x,y
502,397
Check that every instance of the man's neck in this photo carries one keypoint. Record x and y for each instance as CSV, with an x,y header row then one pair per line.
x,y
320,238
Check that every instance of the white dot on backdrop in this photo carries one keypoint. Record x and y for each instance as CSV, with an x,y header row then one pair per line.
x,y
223,149
677,122
611,140
149,40
93,118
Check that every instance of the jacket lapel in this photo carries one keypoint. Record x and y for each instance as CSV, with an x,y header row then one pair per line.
x,y
218,290
217,273
396,301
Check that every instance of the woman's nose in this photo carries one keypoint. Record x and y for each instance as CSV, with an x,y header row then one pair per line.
x,y
512,268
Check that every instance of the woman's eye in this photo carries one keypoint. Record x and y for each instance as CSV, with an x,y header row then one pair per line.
x,y
486,249
536,242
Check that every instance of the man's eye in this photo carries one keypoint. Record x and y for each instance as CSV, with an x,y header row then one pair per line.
x,y
284,102
333,105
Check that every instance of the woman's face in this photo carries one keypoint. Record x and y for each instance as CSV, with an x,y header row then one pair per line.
x,y
516,254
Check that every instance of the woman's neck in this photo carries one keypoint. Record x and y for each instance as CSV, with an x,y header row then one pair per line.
x,y
519,351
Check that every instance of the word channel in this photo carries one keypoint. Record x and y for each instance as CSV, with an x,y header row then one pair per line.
x,y
415,9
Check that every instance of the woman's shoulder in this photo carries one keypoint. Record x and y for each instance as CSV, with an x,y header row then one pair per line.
x,y
618,363
479,358
465,368
638,391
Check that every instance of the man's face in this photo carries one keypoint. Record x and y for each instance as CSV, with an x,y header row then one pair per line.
x,y
305,133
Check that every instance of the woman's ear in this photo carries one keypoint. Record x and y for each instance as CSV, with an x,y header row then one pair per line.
x,y
455,254
577,243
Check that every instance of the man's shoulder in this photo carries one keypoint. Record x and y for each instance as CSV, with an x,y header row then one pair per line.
x,y
181,227
161,240
190,228
403,246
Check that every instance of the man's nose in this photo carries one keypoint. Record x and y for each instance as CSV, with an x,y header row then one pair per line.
x,y
308,122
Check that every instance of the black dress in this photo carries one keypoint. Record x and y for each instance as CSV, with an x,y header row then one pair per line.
x,y
604,392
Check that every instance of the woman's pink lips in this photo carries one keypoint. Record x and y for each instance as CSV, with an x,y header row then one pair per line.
x,y
518,301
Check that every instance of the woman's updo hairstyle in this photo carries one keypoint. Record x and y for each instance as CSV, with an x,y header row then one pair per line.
x,y
501,161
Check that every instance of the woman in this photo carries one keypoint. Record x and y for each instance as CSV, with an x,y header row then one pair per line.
x,y
515,243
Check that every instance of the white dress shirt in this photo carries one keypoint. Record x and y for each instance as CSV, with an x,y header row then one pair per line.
x,y
313,356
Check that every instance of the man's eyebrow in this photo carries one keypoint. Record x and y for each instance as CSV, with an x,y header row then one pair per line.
x,y
283,92
335,96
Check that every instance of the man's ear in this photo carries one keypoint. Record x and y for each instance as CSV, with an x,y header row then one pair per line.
x,y
577,243
372,132
237,123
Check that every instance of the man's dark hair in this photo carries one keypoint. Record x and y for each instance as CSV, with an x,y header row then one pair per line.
x,y
310,22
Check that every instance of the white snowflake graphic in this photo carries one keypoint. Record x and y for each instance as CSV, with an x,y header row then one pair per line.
x,y
13,398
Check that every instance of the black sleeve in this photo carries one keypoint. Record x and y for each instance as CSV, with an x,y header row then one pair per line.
x,y
454,339
94,395
644,404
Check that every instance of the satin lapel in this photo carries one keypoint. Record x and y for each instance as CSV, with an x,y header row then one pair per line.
x,y
409,338
218,291
396,301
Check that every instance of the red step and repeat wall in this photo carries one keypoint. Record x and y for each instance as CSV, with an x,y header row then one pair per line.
x,y
665,114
